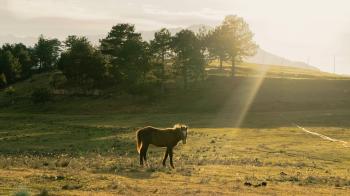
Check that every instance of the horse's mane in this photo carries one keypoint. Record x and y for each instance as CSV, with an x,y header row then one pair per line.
x,y
178,126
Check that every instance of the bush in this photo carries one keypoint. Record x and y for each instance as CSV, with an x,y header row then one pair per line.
x,y
10,91
21,193
58,80
41,95
3,81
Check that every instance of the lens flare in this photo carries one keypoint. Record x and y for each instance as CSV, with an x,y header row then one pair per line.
x,y
242,96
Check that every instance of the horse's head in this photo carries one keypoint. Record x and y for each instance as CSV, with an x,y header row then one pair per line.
x,y
183,131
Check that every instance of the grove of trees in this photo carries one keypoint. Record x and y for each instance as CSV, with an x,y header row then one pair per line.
x,y
123,59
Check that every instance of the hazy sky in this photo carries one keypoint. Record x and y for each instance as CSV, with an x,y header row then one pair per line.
x,y
304,30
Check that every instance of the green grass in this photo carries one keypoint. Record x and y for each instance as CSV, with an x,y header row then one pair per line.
x,y
86,145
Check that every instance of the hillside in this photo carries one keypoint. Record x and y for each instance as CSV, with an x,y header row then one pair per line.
x,y
278,87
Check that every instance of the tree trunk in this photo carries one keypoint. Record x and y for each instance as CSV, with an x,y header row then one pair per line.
x,y
233,68
185,78
220,63
163,66
162,74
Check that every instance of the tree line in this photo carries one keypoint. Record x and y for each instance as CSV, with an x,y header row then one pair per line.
x,y
125,60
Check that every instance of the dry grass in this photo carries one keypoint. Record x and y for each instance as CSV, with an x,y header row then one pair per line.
x,y
215,161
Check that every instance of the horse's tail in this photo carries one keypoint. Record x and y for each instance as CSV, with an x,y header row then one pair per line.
x,y
138,142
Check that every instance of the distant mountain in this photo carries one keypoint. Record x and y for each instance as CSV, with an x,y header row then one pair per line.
x,y
266,58
262,56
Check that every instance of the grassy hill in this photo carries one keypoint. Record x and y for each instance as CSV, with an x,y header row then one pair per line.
x,y
281,88
241,131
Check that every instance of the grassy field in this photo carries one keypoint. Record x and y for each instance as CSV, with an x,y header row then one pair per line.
x,y
86,145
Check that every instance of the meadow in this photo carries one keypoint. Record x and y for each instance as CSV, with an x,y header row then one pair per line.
x,y
242,137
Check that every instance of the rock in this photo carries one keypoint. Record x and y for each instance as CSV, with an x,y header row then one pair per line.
x,y
283,174
60,177
247,184
71,187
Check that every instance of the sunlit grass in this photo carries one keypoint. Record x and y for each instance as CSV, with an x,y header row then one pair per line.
x,y
216,160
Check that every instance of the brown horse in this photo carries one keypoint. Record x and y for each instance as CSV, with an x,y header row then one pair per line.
x,y
162,138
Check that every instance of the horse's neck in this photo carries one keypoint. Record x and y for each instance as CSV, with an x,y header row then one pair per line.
x,y
175,132
178,135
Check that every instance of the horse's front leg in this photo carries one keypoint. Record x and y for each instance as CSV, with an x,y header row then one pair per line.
x,y
141,159
165,156
171,157
145,153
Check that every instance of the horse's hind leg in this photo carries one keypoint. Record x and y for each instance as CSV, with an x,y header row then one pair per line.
x,y
165,156
171,157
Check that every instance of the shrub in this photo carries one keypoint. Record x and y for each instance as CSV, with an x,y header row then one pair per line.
x,y
22,193
43,192
58,80
41,95
10,91
3,81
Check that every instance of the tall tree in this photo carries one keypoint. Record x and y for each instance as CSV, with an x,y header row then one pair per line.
x,y
217,45
10,67
81,63
128,54
161,48
47,52
231,41
189,60
237,39
25,58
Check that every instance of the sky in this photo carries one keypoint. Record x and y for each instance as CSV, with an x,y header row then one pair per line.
x,y
313,31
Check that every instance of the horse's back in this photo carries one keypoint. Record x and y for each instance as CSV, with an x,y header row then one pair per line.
x,y
145,133
158,137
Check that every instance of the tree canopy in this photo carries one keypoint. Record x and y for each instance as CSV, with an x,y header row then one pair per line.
x,y
232,41
161,50
81,63
127,54
47,53
189,61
